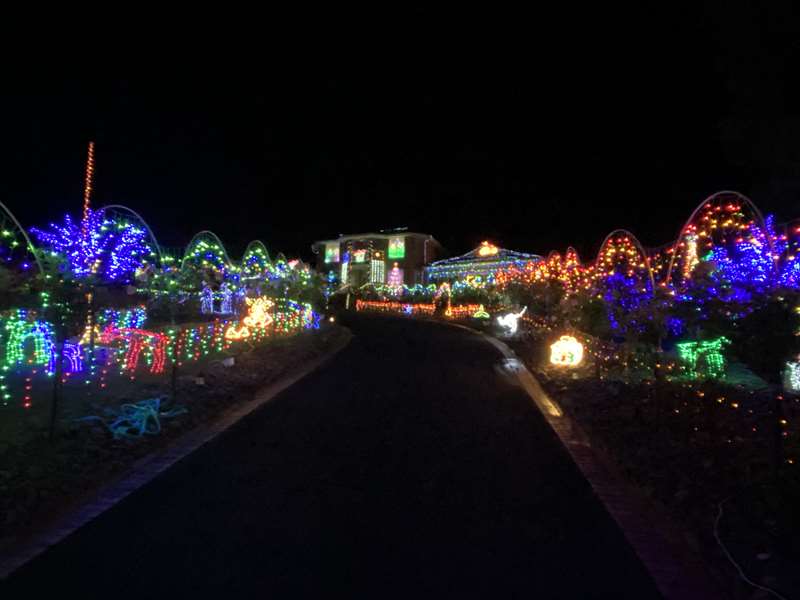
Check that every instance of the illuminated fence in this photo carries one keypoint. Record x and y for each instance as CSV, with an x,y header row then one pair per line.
x,y
395,307
122,347
460,311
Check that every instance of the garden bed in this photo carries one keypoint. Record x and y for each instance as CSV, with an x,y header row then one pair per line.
x,y
40,479
690,446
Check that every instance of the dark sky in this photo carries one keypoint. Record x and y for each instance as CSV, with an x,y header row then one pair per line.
x,y
535,130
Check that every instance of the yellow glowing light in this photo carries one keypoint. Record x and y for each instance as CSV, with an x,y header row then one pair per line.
x,y
487,249
257,317
480,313
567,351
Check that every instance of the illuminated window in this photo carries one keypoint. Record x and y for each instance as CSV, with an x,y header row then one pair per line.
x,y
331,253
377,271
397,247
359,256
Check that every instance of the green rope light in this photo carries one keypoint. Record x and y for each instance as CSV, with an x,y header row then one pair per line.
x,y
703,359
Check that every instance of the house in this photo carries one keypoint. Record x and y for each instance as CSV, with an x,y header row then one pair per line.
x,y
393,257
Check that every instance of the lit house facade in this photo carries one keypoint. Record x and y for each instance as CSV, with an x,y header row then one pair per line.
x,y
394,257
478,266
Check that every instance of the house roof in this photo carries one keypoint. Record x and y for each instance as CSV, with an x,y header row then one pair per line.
x,y
384,235
486,253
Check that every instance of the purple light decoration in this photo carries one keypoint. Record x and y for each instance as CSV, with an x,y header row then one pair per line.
x,y
113,250
73,355
750,265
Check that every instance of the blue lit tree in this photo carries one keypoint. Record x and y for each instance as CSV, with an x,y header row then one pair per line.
x,y
98,247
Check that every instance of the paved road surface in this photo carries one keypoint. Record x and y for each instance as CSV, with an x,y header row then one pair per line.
x,y
406,467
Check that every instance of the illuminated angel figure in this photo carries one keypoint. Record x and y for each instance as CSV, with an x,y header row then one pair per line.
x,y
226,303
206,300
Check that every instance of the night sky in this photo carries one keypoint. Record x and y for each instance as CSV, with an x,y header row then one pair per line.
x,y
535,131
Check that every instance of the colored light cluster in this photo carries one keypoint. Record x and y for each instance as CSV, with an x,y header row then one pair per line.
x,y
482,262
255,262
97,246
725,231
480,313
510,321
791,381
456,311
124,317
125,348
258,317
566,351
397,248
703,358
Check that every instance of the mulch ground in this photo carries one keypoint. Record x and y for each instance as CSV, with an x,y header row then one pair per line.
x,y
690,446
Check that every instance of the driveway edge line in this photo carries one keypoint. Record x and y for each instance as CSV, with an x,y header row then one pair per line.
x,y
144,470
668,562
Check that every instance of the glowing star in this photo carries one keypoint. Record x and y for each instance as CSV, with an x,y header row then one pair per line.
x,y
481,313
509,321
567,351
487,249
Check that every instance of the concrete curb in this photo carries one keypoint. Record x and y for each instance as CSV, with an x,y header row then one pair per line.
x,y
676,573
147,468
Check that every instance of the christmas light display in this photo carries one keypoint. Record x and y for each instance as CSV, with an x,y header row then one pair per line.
x,y
457,311
791,377
97,246
509,321
703,358
484,261
226,299
331,253
155,343
16,249
691,260
18,330
206,253
487,249
377,271
719,222
258,317
88,180
566,351
397,248
73,358
206,300
125,317
255,261
480,313
395,279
